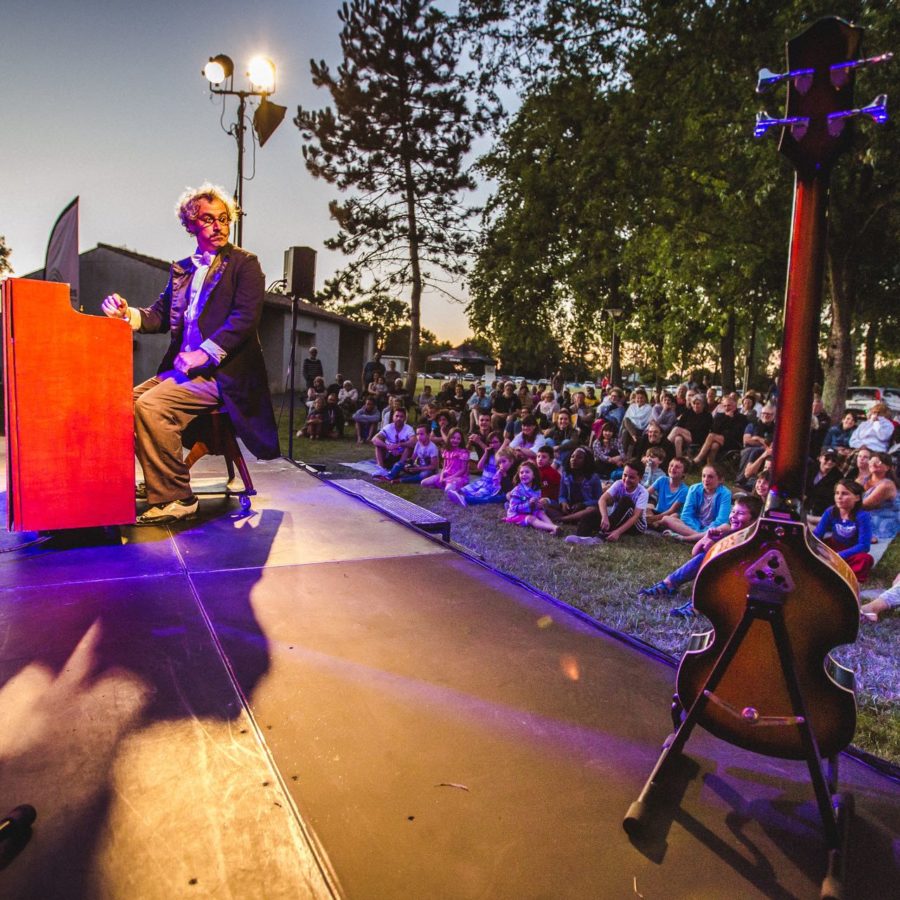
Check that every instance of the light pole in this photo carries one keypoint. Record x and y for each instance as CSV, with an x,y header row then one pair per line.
x,y
614,373
268,116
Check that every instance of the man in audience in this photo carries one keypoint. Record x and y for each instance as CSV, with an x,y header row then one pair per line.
x,y
393,443
367,419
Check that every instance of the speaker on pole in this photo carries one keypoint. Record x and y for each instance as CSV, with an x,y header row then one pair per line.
x,y
300,272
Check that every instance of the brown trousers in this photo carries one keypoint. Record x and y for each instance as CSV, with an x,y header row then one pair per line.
x,y
163,407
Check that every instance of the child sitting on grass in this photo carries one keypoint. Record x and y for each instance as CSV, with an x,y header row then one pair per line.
x,y
706,506
497,467
847,528
523,501
454,473
744,512
654,460
668,493
423,460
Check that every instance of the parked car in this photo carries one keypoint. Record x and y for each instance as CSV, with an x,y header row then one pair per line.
x,y
861,397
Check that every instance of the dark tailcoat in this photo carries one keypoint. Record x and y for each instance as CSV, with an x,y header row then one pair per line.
x,y
232,298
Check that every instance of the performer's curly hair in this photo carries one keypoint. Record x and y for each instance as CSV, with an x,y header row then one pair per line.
x,y
186,207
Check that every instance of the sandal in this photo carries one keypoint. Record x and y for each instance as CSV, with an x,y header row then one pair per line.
x,y
685,611
660,589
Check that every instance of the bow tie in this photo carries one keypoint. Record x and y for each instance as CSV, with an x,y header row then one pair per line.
x,y
202,259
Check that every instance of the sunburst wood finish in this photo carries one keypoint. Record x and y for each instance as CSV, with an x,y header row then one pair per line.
x,y
778,560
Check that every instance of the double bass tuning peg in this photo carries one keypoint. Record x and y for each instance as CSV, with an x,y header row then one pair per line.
x,y
876,110
838,74
767,79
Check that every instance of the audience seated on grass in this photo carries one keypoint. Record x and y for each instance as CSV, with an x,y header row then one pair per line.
x,y
422,462
607,452
744,512
312,428
612,409
523,501
549,474
668,493
876,431
847,528
886,602
664,412
622,509
654,461
348,398
478,404
367,420
637,418
393,443
820,483
579,489
692,426
707,505
726,434
454,472
880,497
528,441
332,419
497,468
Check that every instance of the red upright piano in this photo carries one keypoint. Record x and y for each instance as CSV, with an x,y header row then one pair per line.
x,y
69,426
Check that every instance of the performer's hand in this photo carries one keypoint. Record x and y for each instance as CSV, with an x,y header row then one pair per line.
x,y
115,307
193,359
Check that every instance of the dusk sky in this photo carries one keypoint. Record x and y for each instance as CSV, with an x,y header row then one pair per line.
x,y
105,100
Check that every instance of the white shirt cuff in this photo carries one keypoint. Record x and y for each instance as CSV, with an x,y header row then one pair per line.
x,y
213,351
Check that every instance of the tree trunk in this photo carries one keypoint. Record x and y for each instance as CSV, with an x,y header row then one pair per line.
x,y
726,347
415,297
871,344
749,372
839,352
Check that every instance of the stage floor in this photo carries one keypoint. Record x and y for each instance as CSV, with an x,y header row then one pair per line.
x,y
317,701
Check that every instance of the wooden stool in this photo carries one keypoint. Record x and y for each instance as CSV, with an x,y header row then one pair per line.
x,y
213,434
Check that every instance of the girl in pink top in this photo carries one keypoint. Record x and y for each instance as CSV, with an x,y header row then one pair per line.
x,y
454,473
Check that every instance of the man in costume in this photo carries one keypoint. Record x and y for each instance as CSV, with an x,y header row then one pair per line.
x,y
211,305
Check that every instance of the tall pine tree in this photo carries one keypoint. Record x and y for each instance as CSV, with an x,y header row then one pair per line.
x,y
396,140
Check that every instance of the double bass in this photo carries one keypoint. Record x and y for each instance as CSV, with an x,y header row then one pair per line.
x,y
777,565
778,599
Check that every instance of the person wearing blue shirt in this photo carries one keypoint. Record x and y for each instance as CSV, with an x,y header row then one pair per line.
x,y
670,492
707,505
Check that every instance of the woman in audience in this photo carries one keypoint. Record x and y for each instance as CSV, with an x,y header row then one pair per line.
x,y
379,390
348,399
546,409
860,466
664,413
876,431
847,528
580,488
880,497
691,427
637,418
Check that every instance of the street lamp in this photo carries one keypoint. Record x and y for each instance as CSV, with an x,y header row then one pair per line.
x,y
614,313
219,71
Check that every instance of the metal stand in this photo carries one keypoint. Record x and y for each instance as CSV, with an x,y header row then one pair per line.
x,y
293,366
834,809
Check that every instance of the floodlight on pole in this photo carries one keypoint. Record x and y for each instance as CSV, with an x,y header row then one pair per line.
x,y
268,116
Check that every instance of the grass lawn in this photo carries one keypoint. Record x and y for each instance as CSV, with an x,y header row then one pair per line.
x,y
603,581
